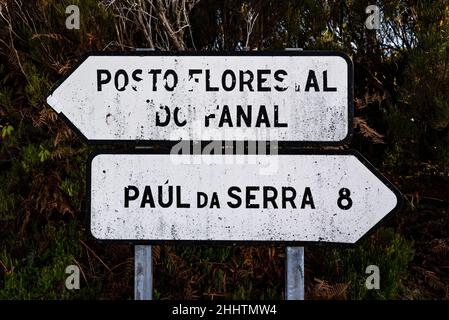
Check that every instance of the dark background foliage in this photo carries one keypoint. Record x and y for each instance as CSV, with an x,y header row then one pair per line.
x,y
401,125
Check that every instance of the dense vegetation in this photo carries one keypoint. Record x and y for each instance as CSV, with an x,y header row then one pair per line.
x,y
402,126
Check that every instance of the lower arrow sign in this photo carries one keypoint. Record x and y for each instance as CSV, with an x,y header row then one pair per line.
x,y
327,197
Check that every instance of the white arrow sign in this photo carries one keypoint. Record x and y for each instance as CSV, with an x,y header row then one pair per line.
x,y
294,198
247,96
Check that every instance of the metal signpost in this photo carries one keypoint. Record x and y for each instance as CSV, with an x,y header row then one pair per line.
x,y
143,273
294,98
294,262
294,273
143,259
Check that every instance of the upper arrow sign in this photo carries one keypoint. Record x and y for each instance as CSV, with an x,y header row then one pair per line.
x,y
141,96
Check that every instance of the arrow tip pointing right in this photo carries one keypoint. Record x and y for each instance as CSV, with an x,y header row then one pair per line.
x,y
389,198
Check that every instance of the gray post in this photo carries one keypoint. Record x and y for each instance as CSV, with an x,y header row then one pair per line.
x,y
143,273
143,264
294,263
294,272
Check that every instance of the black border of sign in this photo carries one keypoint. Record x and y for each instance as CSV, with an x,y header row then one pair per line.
x,y
355,153
168,143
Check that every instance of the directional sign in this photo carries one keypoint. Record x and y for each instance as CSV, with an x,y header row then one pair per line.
x,y
294,198
247,96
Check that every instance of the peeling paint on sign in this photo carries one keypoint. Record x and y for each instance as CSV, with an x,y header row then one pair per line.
x,y
309,198
290,96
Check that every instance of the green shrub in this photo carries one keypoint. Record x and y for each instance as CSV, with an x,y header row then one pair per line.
x,y
387,250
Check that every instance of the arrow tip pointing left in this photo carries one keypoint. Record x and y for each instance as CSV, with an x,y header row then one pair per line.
x,y
69,98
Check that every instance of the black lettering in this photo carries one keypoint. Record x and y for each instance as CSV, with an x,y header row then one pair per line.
x,y
176,118
277,77
262,117
201,199
179,203
344,201
261,80
307,199
155,72
232,193
125,79
175,79
207,119
248,82
278,124
147,198
214,201
161,198
312,81
101,80
325,87
128,197
290,198
192,72
233,80
250,197
241,115
269,198
225,117
135,73
163,123
208,86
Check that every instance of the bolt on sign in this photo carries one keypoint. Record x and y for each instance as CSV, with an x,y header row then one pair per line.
x,y
243,96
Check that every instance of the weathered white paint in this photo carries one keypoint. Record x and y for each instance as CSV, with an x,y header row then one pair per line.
x,y
324,174
110,114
